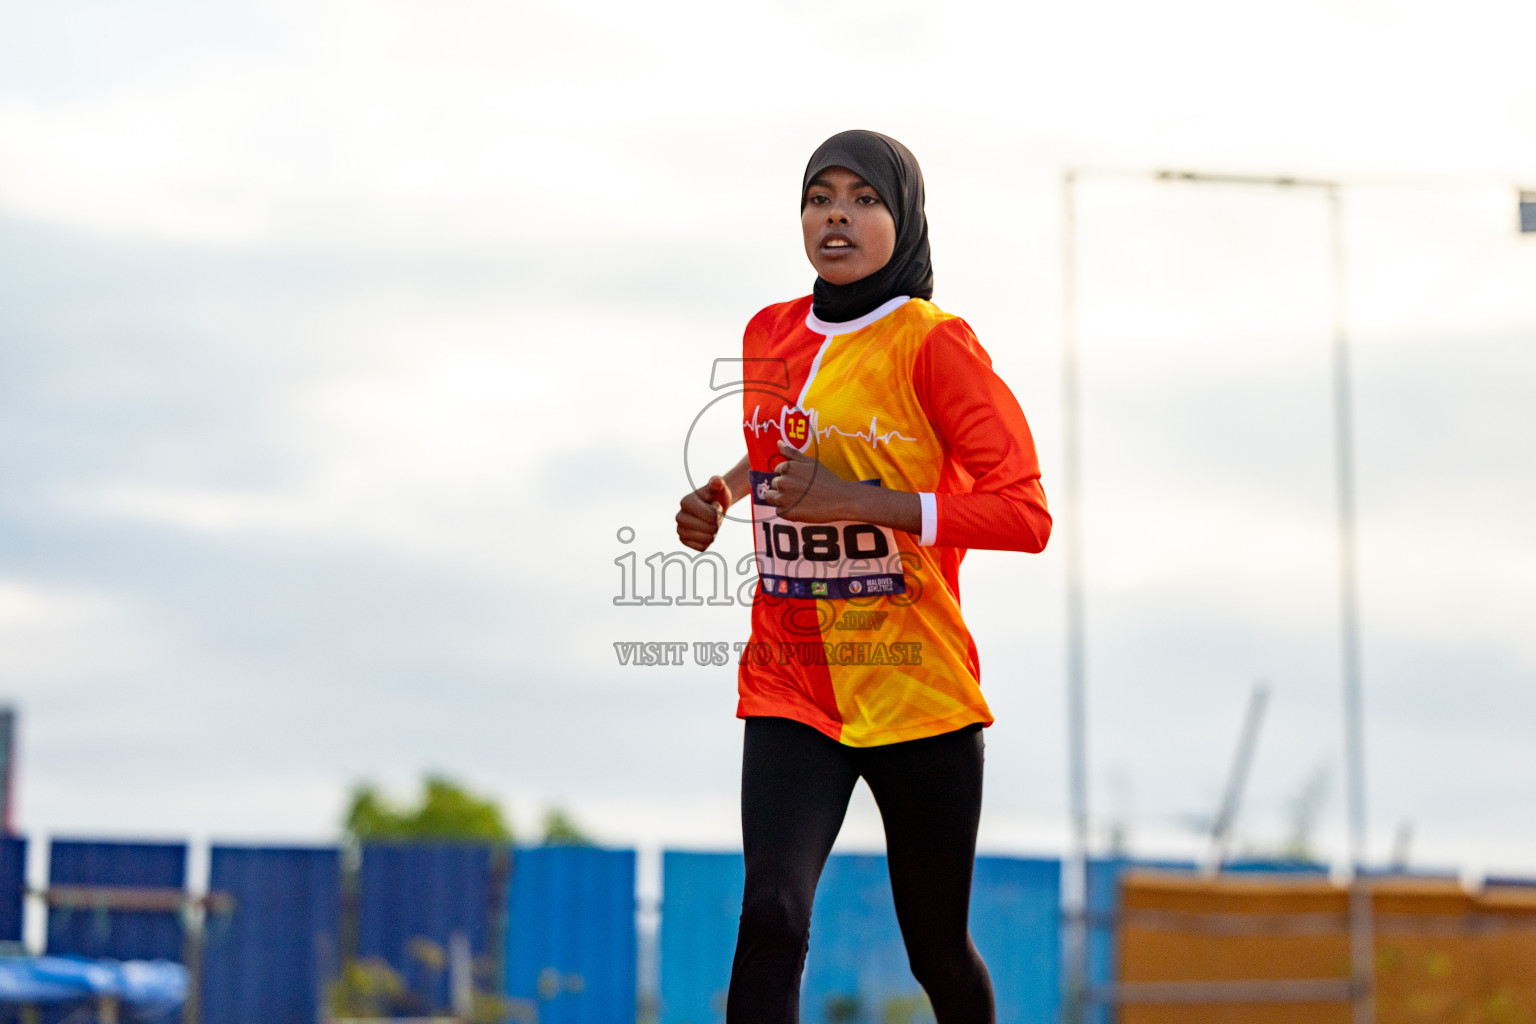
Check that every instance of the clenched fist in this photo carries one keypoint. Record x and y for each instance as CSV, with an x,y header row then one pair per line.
x,y
700,513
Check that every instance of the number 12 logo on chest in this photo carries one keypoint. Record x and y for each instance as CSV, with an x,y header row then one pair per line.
x,y
796,428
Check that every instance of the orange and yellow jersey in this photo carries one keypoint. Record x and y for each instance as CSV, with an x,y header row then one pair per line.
x,y
856,628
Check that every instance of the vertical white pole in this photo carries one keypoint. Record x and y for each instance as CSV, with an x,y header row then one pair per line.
x,y
1361,942
1075,869
461,977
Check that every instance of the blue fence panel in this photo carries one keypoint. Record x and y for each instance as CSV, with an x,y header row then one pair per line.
x,y
1103,945
1104,878
266,962
1016,924
857,962
119,934
700,908
1259,866
13,884
1510,880
412,898
857,965
571,943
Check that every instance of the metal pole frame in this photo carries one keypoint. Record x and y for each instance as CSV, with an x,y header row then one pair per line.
x,y
1075,868
1074,880
1362,955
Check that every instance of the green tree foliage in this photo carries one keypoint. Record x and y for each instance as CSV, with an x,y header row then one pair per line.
x,y
446,811
369,989
561,830
913,1009
366,988
842,1008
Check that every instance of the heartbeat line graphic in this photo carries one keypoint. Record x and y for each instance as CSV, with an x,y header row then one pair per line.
x,y
873,436
758,429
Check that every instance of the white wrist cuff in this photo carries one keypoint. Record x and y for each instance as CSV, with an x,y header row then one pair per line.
x,y
930,506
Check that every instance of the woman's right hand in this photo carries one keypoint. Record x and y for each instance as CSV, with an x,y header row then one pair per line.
x,y
701,512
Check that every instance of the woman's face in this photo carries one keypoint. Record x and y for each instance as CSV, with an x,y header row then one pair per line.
x,y
849,231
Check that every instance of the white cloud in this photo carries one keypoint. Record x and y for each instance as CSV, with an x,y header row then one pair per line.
x,y
474,260
59,640
466,121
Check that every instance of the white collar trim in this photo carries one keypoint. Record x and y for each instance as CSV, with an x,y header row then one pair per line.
x,y
849,326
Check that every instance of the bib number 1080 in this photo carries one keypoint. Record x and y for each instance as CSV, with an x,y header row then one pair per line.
x,y
824,543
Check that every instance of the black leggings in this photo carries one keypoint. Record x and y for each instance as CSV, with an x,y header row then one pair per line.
x,y
795,785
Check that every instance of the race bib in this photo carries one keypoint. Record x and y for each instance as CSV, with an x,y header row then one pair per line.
x,y
822,560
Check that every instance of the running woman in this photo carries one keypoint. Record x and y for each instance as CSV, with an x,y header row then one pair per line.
x,y
880,446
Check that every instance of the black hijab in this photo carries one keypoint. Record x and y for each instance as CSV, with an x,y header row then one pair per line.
x,y
892,169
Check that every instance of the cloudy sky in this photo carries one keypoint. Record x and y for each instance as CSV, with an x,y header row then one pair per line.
x,y
338,340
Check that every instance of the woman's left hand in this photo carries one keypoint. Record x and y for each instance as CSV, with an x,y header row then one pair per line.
x,y
805,491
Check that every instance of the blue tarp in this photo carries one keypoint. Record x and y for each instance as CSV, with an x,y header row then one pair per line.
x,y
145,986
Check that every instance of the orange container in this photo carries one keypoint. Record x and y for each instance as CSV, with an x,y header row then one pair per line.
x,y
1441,954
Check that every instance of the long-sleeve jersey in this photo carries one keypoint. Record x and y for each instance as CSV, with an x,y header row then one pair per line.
x,y
856,628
